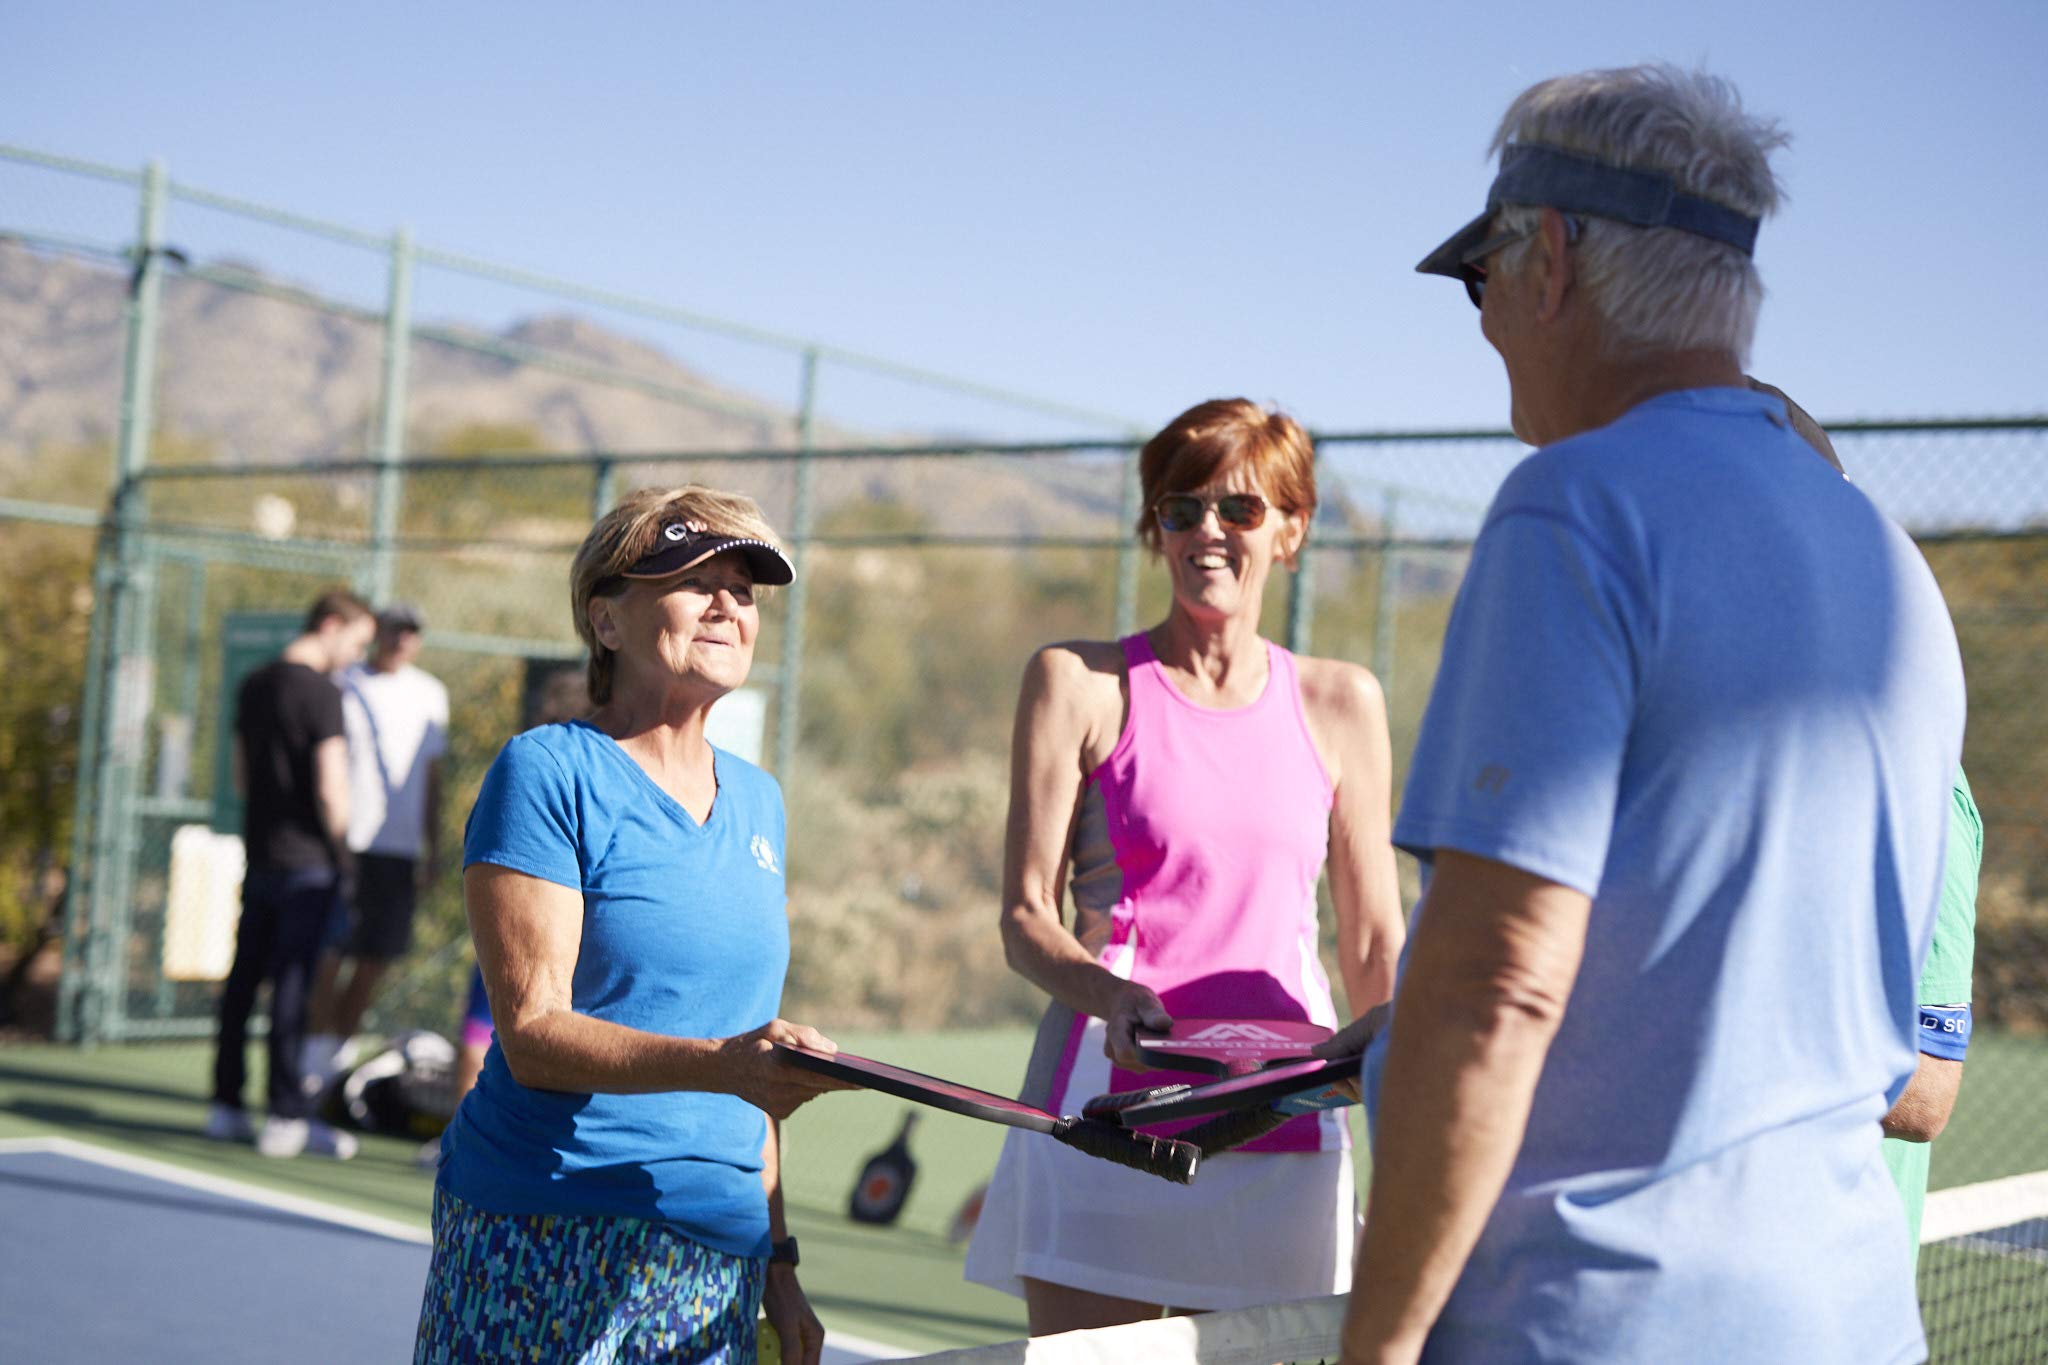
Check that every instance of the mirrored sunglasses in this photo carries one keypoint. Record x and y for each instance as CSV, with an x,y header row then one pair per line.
x,y
1184,511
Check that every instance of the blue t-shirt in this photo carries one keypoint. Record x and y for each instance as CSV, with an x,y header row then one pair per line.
x,y
685,933
1695,674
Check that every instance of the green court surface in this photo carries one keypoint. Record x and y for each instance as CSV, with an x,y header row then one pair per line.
x,y
899,1285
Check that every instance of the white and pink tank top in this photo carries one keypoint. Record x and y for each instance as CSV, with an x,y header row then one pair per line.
x,y
1219,821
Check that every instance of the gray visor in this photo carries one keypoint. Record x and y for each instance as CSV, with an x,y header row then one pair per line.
x,y
1544,176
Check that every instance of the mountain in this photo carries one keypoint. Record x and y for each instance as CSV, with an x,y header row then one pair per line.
x,y
262,380
267,381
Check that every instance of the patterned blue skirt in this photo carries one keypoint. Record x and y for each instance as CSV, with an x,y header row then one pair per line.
x,y
547,1290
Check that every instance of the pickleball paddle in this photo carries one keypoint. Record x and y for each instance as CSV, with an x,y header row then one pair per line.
x,y
1166,1158
1269,1077
1217,1047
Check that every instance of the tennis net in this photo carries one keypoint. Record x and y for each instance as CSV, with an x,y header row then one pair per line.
x,y
1984,1272
1983,1295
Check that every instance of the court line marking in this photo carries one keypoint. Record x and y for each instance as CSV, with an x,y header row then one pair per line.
x,y
308,1208
221,1185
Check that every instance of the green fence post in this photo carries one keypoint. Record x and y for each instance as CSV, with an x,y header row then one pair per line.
x,y
1301,589
1383,607
1129,491
73,989
789,681
123,695
390,487
604,489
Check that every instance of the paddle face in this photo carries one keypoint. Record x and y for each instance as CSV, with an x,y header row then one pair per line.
x,y
1229,1047
1163,1157
919,1088
1290,1088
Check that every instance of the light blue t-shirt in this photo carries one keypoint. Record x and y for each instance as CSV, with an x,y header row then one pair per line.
x,y
685,932
1695,674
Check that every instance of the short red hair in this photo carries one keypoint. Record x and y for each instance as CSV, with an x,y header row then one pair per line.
x,y
1194,447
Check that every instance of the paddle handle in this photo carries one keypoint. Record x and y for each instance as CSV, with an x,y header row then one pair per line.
x,y
1234,1128
1107,1107
1167,1158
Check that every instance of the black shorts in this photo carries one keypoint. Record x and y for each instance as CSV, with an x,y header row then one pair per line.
x,y
385,895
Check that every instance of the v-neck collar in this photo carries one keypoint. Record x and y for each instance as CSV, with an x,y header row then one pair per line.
x,y
662,793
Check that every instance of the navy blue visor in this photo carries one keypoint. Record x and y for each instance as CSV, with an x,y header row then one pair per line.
x,y
686,544
1546,177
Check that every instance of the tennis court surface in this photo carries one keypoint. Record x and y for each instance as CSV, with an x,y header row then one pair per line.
x,y
125,1235
116,1257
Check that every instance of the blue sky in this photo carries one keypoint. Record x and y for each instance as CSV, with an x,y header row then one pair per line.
x,y
1127,206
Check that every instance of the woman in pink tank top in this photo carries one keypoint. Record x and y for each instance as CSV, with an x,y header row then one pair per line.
x,y
1195,781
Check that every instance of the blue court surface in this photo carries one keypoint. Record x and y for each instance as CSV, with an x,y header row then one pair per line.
x,y
108,1257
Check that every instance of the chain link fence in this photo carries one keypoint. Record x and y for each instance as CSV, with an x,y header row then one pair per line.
x,y
930,571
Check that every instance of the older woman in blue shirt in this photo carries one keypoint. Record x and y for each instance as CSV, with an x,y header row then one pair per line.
x,y
609,1190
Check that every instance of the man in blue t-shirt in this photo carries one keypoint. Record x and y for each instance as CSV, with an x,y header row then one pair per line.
x,y
1680,800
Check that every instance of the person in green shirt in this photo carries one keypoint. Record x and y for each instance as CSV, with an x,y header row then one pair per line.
x,y
1930,1097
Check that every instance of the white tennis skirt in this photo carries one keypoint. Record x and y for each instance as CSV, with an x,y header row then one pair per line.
x,y
1254,1227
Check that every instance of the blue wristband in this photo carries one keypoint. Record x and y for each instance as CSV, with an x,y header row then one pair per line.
x,y
1945,1031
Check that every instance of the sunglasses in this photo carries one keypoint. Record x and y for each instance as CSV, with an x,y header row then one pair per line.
x,y
1184,511
1472,268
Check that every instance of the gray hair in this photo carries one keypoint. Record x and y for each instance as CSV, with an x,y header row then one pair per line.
x,y
1658,289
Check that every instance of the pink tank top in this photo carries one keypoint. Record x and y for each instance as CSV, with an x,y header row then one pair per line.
x,y
1220,823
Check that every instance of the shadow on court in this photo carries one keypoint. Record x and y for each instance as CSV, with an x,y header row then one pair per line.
x,y
85,1119
104,1263
93,1085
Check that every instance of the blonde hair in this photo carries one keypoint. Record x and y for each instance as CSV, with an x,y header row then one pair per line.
x,y
626,533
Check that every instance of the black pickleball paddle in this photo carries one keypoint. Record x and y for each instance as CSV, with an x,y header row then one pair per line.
x,y
1166,1158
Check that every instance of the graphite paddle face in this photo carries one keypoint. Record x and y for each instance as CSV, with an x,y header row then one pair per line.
x,y
1164,1157
1220,1047
1246,1107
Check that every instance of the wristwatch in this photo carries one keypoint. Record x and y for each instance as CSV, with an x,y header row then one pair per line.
x,y
782,1252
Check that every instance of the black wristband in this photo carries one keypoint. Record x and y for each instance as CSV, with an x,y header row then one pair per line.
x,y
782,1252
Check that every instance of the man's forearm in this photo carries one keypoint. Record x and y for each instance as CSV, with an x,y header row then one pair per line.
x,y
1494,955
1930,1097
1454,1101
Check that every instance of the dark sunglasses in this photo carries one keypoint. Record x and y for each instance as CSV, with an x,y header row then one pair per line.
x,y
1184,511
1472,266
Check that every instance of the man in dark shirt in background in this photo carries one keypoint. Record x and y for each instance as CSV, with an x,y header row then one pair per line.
x,y
291,769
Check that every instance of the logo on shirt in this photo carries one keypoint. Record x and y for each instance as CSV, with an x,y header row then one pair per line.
x,y
764,854
1492,780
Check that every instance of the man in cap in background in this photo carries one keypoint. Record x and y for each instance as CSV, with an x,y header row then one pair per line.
x,y
397,719
1680,797
290,768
